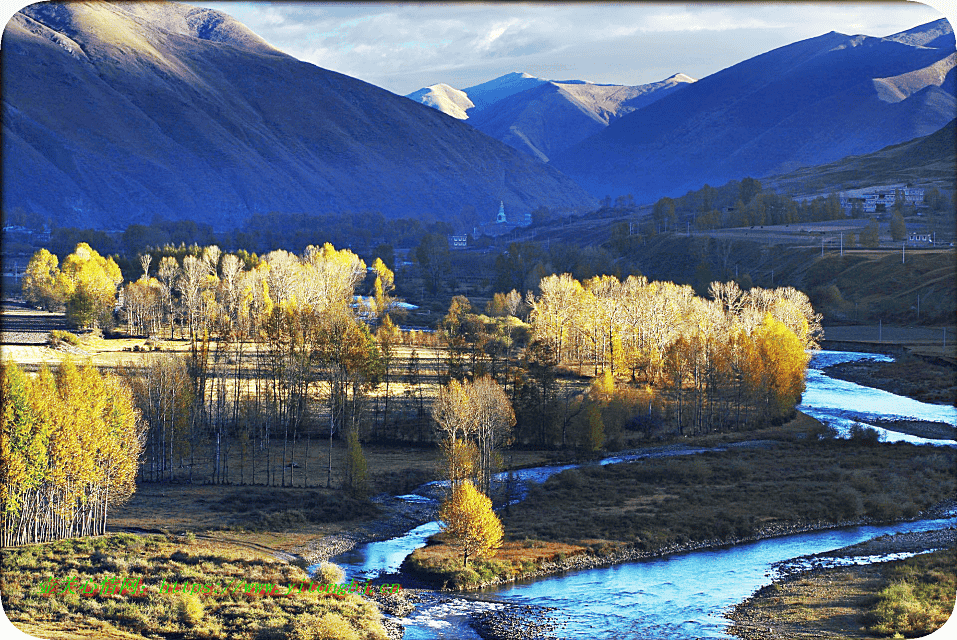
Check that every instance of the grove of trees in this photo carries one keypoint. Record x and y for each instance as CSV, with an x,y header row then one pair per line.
x,y
269,345
70,442
738,356
84,286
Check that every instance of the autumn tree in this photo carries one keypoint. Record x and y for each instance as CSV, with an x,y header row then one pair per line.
x,y
494,419
452,412
70,445
470,522
89,282
777,361
868,237
40,286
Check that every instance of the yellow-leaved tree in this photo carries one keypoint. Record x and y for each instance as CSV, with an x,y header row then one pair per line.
x,y
470,521
776,365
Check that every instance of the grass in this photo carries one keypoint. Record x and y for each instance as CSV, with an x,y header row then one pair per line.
x,y
903,598
440,563
266,509
722,496
172,615
919,598
58,337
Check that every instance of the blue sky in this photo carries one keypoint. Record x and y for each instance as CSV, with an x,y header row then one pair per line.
x,y
404,46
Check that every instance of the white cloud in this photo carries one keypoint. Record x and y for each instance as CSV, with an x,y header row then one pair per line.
x,y
403,47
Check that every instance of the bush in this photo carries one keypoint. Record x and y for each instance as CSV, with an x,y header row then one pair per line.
x,y
864,435
330,573
58,338
189,609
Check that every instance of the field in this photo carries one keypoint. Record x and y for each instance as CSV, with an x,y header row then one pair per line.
x,y
225,606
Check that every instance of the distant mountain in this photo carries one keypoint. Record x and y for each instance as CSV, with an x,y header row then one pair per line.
x,y
554,116
445,99
115,113
543,117
805,104
929,159
490,92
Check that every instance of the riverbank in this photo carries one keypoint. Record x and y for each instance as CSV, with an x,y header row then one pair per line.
x,y
925,379
842,602
597,516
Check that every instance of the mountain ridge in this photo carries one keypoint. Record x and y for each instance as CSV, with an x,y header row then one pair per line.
x,y
807,103
108,121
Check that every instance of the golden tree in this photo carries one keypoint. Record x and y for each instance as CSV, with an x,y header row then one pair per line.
x,y
40,281
470,521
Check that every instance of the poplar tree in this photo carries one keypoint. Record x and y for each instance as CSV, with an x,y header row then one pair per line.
x,y
470,522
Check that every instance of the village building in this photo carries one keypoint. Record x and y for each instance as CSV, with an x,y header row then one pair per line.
x,y
501,225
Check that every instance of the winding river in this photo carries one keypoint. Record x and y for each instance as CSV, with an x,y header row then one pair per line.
x,y
678,596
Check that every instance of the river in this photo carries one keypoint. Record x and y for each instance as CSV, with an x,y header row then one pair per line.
x,y
678,596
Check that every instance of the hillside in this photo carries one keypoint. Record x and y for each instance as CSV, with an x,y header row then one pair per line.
x,y
926,160
805,104
117,113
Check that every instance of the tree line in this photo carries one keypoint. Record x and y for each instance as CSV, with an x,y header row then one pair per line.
x,y
715,356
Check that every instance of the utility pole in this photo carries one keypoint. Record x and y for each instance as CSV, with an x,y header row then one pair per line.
x,y
880,330
918,307
842,245
903,244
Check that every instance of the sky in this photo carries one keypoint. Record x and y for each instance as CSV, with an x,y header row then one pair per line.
x,y
403,47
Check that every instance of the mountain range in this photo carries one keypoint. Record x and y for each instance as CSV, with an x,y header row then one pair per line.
x,y
805,104
122,112
116,113
543,117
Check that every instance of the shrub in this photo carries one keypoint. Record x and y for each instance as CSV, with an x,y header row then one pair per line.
x,y
189,609
58,338
330,573
864,435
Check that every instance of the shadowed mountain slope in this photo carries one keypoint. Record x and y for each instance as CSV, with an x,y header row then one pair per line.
x,y
118,113
554,116
805,104
926,160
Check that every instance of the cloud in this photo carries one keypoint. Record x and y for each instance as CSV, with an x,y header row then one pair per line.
x,y
403,47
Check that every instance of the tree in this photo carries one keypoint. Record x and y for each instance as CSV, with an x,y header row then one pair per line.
x,y
470,521
494,419
898,226
432,255
748,188
452,411
40,281
776,363
357,479
868,236
383,287
664,212
89,282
